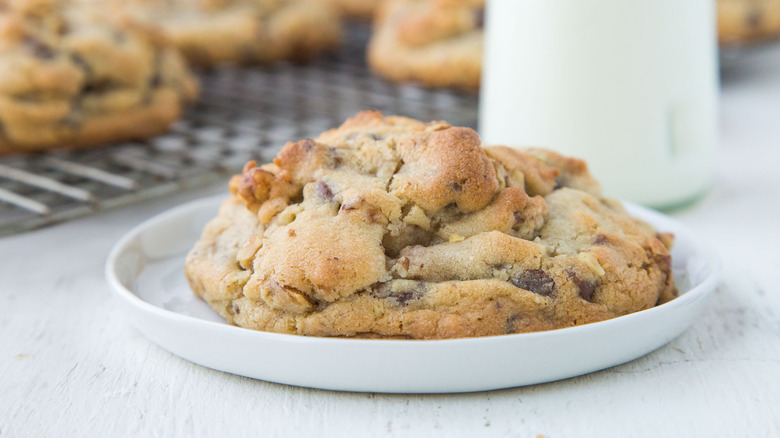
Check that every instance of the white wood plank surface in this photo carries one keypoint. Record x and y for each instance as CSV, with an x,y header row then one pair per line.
x,y
71,365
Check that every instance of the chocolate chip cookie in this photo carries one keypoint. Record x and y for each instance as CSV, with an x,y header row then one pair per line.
x,y
243,31
388,227
356,8
75,77
747,21
437,43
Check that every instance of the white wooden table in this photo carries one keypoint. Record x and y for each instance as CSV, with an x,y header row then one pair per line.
x,y
71,365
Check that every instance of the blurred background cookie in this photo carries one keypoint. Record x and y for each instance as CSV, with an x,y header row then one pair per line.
x,y
437,43
243,31
75,77
748,21
357,8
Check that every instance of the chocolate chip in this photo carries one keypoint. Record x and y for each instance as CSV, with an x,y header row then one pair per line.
x,y
73,121
119,37
324,191
297,198
456,186
38,48
375,215
402,297
754,18
536,281
28,97
307,144
600,239
511,324
519,217
586,288
380,290
156,80
479,18
336,159
75,117
501,269
348,207
97,87
81,63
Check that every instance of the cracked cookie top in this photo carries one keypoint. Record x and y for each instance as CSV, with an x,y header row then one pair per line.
x,y
390,227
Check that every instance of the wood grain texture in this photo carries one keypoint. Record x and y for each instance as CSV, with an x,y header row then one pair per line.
x,y
71,365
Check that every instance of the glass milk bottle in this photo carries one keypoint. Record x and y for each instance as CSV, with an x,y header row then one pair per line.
x,y
630,86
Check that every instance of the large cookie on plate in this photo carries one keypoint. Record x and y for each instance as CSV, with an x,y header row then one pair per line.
x,y
392,228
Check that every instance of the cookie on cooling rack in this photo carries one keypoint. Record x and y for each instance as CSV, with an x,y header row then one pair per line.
x,y
71,77
243,31
748,21
356,8
391,228
437,43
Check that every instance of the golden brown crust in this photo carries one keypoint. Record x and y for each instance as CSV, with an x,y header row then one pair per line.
x,y
441,166
388,227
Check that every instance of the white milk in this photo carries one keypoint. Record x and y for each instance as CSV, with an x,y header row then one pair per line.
x,y
630,86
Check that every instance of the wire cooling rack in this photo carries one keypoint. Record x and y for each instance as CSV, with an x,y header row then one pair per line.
x,y
244,114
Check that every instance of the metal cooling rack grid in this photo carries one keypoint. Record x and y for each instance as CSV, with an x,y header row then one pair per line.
x,y
244,114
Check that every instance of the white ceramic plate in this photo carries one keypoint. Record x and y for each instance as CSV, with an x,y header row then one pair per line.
x,y
145,270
